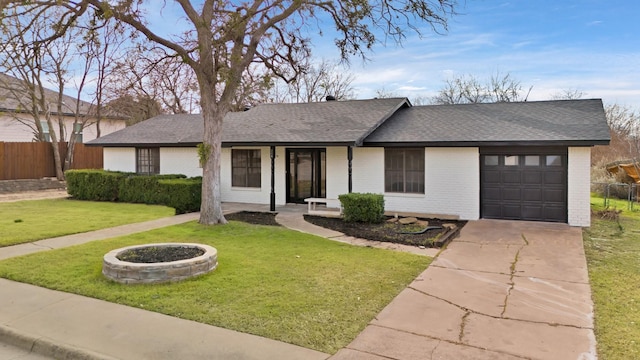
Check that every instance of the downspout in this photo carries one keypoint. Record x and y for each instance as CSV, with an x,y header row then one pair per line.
x,y
272,202
349,161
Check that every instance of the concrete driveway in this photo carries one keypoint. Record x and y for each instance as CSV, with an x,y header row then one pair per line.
x,y
502,290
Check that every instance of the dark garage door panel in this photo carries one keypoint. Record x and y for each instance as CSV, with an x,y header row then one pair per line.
x,y
524,191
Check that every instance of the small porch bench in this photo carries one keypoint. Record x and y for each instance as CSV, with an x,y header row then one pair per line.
x,y
312,210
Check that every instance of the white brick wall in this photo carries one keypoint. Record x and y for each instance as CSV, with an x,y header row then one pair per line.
x,y
337,174
119,159
242,194
579,180
181,160
452,184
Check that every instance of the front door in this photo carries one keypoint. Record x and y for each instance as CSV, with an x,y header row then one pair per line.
x,y
306,174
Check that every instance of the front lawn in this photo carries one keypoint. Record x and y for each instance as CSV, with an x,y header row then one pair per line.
x,y
613,258
26,221
270,281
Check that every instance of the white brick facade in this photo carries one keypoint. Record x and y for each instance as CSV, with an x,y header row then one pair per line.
x,y
452,178
452,182
119,159
579,190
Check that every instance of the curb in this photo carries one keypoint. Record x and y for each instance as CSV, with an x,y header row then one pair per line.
x,y
47,347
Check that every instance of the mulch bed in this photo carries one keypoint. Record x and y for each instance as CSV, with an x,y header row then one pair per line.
x,y
386,231
254,217
394,232
159,254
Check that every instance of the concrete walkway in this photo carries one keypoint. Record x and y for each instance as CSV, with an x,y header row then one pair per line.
x,y
503,290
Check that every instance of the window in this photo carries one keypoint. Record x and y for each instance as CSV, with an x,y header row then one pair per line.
x,y
532,160
491,160
45,130
404,170
77,132
148,161
245,168
511,160
554,160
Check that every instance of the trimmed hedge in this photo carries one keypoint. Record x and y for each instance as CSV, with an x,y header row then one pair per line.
x,y
96,185
175,191
359,207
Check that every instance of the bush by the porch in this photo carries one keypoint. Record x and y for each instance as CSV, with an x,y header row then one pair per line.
x,y
362,207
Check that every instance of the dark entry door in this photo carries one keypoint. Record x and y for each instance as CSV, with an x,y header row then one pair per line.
x,y
524,185
306,174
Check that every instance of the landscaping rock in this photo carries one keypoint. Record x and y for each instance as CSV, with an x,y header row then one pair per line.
x,y
392,220
450,226
407,220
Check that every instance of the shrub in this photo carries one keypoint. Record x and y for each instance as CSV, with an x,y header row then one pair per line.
x,y
171,190
184,195
358,207
96,185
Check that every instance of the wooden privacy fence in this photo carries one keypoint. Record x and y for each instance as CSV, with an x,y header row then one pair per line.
x,y
34,160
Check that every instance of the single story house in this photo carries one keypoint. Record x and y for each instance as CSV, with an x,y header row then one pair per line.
x,y
524,161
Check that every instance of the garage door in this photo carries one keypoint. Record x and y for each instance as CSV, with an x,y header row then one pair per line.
x,y
521,184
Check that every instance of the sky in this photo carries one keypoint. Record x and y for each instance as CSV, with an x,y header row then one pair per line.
x,y
592,46
549,46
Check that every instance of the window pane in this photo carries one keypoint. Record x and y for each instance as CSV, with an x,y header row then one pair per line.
x,y
511,160
554,160
245,168
404,170
491,160
532,160
148,161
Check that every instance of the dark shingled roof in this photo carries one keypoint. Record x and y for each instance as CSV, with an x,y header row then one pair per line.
x,y
331,122
564,122
384,122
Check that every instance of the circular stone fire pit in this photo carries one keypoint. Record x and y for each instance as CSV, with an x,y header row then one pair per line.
x,y
128,272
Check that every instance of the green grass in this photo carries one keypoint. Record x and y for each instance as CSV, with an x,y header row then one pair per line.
x,y
613,258
271,281
26,221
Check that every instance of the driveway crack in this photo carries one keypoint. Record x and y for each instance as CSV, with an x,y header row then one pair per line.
x,y
512,274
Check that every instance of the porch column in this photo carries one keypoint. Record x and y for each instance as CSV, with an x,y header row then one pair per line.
x,y
272,202
349,159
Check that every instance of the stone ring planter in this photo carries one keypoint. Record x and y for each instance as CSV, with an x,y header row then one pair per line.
x,y
158,272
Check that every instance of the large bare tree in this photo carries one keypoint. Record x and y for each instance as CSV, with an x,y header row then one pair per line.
x,y
314,83
468,89
226,37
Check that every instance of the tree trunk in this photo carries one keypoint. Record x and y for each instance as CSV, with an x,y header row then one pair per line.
x,y
213,115
57,160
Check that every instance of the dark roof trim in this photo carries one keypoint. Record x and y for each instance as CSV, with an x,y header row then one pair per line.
x,y
404,103
488,143
377,144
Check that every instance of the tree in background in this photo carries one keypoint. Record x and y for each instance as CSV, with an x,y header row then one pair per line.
x,y
313,84
467,89
227,37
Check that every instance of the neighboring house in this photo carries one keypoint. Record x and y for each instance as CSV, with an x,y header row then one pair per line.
x,y
527,160
17,125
